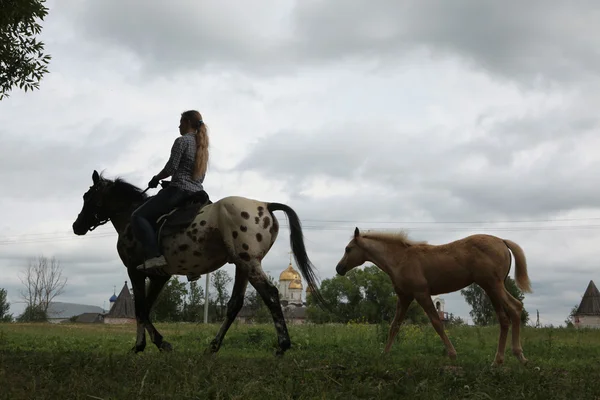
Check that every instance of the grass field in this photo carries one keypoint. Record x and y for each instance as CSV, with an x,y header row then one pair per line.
x,y
75,361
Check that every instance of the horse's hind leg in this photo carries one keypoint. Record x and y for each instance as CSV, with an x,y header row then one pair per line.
x,y
402,305
515,308
233,306
425,301
270,295
495,296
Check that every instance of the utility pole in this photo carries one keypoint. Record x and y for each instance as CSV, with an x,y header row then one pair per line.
x,y
206,299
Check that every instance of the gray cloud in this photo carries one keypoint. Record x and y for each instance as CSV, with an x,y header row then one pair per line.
x,y
513,167
515,41
54,169
531,43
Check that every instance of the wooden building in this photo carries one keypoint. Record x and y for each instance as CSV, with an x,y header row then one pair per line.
x,y
588,312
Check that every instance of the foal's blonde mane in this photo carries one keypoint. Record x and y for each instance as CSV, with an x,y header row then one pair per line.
x,y
400,237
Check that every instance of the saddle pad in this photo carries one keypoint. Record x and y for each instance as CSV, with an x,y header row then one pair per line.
x,y
179,219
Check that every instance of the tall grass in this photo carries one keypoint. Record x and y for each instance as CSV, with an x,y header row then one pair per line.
x,y
76,361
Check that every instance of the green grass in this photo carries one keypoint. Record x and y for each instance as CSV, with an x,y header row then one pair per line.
x,y
75,361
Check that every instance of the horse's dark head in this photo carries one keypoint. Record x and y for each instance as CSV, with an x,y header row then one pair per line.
x,y
93,213
104,200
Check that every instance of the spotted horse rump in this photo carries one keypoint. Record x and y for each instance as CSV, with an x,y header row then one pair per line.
x,y
219,233
196,239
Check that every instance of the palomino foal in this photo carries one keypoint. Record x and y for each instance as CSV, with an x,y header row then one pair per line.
x,y
419,270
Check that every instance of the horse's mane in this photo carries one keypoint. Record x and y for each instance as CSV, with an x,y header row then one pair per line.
x,y
400,238
125,191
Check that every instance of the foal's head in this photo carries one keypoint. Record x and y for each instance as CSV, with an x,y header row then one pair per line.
x,y
356,252
354,255
103,200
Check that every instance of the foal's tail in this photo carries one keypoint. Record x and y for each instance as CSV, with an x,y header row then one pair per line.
x,y
521,277
297,243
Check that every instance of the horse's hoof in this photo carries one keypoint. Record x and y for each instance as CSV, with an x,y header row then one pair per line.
x,y
211,349
166,346
137,349
279,353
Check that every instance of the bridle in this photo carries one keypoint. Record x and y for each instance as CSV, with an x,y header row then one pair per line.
x,y
99,223
100,218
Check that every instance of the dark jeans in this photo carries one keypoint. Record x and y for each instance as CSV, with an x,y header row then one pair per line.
x,y
143,219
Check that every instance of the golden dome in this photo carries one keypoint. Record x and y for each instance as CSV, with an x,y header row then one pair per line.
x,y
296,284
289,274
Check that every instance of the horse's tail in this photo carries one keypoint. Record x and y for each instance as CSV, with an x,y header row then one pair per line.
x,y
521,276
297,243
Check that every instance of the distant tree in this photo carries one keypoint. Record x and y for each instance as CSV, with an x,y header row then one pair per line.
x,y
22,59
169,304
361,295
193,307
33,313
43,282
220,280
482,310
455,321
4,307
569,320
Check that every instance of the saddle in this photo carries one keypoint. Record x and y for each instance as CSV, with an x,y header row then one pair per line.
x,y
182,215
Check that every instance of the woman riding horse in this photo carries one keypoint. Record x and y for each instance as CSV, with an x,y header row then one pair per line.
x,y
187,165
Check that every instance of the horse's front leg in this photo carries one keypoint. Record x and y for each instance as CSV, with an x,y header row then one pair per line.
x,y
138,281
156,285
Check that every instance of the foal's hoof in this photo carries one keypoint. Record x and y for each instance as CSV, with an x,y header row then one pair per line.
x,y
166,346
523,360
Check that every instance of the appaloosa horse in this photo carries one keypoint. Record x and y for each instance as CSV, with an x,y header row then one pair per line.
x,y
196,239
419,270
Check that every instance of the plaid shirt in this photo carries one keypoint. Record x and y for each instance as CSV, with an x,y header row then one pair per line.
x,y
181,163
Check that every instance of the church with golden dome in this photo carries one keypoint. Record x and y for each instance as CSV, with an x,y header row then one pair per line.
x,y
291,297
291,287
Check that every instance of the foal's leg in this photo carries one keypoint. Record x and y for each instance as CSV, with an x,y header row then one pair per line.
x,y
270,295
425,301
233,306
401,308
514,308
495,295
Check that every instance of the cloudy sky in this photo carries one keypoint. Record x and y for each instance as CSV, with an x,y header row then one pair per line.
x,y
440,120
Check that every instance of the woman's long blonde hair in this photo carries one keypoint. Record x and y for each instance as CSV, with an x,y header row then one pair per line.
x,y
196,122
